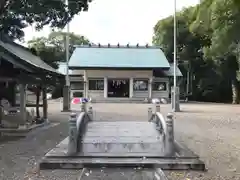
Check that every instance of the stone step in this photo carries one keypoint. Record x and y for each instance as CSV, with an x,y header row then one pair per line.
x,y
121,100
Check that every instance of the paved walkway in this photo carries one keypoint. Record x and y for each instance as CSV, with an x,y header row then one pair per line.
x,y
212,131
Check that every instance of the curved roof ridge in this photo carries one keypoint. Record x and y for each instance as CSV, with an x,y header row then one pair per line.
x,y
118,46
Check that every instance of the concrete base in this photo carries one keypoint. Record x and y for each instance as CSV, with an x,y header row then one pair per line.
x,y
176,108
175,102
66,110
184,159
20,132
46,121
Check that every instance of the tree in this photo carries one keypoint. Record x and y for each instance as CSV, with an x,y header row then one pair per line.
x,y
52,49
223,21
17,14
194,36
188,44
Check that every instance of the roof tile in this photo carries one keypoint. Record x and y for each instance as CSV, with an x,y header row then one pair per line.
x,y
25,54
118,57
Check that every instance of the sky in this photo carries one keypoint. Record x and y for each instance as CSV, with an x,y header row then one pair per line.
x,y
118,21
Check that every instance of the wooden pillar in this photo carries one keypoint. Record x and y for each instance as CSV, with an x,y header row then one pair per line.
x,y
105,87
38,94
11,93
150,87
14,94
22,89
1,116
45,104
131,88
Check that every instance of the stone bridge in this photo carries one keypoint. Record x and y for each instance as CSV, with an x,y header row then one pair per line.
x,y
94,143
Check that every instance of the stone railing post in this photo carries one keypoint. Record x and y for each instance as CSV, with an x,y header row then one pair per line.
x,y
83,107
72,138
150,114
157,107
169,139
90,113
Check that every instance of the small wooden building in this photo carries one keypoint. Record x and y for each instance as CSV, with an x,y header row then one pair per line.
x,y
107,73
19,69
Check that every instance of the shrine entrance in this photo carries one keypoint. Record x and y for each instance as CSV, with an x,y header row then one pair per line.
x,y
118,88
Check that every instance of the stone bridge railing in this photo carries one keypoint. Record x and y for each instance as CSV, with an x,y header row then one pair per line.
x,y
78,123
77,127
165,126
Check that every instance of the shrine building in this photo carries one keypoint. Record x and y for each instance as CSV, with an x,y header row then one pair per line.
x,y
106,73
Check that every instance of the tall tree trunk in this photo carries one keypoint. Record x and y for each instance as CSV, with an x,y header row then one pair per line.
x,y
235,92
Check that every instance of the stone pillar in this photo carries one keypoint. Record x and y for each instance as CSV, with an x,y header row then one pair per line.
x,y
90,113
175,104
66,98
72,138
131,88
157,107
22,89
150,88
45,104
150,113
105,87
169,139
83,107
85,78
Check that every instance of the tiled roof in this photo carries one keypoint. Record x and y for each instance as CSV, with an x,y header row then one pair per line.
x,y
118,57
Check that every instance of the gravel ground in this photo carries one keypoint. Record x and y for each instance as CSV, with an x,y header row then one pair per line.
x,y
210,130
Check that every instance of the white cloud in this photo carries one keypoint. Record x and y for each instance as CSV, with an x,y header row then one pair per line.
x,y
113,21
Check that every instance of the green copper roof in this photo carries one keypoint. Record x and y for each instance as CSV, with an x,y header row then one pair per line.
x,y
118,57
170,71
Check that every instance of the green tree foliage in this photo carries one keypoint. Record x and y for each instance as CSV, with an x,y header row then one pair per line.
x,y
208,38
52,49
18,14
225,23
